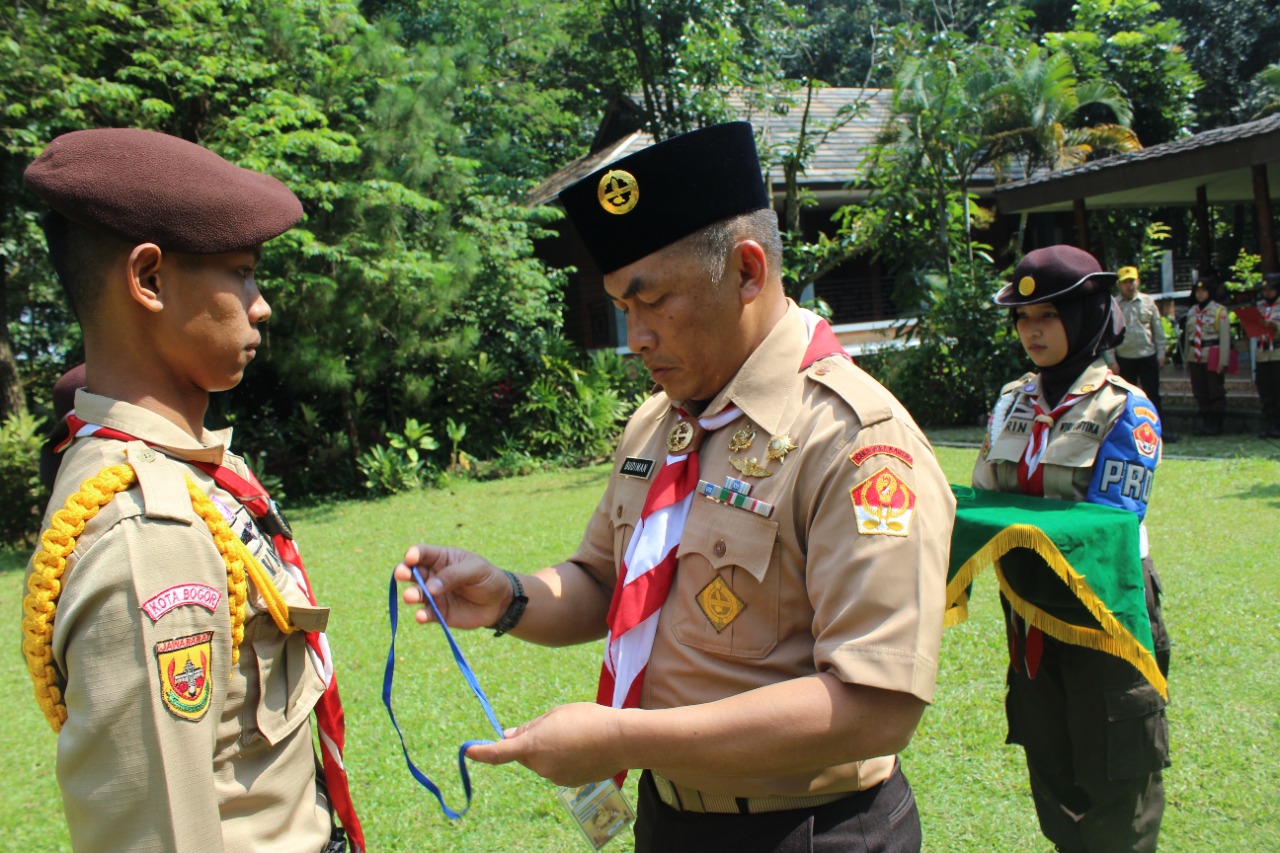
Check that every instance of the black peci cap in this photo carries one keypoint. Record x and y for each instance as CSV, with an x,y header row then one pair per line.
x,y
649,200
1054,273
150,187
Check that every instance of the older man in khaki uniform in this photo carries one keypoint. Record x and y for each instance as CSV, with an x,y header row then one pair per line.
x,y
170,630
1141,355
768,561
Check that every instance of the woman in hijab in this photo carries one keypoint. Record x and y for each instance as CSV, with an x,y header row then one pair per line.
x,y
1092,726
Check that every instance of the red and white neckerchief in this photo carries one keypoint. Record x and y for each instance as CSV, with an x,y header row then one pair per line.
x,y
330,719
649,565
1030,474
1197,334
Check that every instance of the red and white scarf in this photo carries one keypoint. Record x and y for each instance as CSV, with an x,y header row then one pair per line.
x,y
649,565
1030,474
1197,334
330,719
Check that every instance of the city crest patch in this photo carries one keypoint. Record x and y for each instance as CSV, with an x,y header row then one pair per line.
x,y
184,665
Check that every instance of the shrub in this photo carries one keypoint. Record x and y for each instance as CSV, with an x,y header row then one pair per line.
x,y
399,466
22,497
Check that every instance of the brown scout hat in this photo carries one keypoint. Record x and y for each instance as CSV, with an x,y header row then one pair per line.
x,y
150,187
1054,273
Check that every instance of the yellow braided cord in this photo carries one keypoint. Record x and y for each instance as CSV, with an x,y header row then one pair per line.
x,y
58,541
40,605
238,560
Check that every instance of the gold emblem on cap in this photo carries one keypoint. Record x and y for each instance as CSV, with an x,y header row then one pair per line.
x,y
680,436
1027,286
742,439
750,467
780,446
720,604
618,191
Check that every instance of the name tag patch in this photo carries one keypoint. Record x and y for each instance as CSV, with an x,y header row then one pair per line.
x,y
634,466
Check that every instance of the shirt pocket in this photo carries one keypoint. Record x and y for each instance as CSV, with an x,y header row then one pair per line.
x,y
288,684
629,496
738,548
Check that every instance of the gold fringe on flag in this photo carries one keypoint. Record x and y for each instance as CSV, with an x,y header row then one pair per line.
x,y
1113,638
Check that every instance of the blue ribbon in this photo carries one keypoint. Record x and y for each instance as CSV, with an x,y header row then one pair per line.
x,y
458,657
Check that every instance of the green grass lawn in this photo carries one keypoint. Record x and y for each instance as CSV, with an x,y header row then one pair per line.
x,y
1215,535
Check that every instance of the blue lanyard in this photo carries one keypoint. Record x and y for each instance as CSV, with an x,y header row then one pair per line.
x,y
422,778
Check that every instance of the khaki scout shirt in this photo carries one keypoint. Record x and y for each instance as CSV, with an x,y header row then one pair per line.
x,y
820,591
1144,333
1215,328
1073,443
139,772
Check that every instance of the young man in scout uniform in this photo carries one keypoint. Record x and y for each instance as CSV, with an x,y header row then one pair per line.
x,y
1141,355
170,631
766,685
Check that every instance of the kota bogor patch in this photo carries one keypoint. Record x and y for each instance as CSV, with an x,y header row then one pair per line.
x,y
883,504
720,604
182,595
618,192
185,665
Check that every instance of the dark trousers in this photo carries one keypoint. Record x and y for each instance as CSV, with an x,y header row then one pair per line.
x,y
1096,740
1209,388
1145,373
883,819
1267,379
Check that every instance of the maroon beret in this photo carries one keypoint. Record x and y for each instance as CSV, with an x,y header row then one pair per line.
x,y
1054,273
150,187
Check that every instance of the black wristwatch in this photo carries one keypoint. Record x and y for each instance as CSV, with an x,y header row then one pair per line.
x,y
515,610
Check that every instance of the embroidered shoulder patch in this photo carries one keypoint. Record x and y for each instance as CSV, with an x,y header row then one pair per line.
x,y
862,454
1143,411
1146,440
197,594
184,665
883,503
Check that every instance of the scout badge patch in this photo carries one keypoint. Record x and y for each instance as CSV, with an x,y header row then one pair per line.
x,y
720,604
184,664
883,503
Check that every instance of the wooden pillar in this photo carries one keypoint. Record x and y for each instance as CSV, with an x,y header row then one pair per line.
x,y
1206,233
1266,224
1082,224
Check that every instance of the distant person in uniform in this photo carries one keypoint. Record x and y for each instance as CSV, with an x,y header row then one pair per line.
x,y
768,561
1141,355
1092,726
1206,350
1267,375
171,634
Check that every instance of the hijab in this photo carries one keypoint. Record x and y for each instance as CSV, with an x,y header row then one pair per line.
x,y
1093,323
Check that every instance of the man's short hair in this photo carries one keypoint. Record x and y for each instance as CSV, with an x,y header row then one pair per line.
x,y
82,257
712,244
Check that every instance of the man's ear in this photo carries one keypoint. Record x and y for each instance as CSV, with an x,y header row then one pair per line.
x,y
143,272
752,269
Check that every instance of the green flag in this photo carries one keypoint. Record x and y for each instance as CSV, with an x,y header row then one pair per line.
x,y
1082,584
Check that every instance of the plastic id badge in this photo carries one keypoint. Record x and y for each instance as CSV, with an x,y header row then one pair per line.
x,y
599,809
